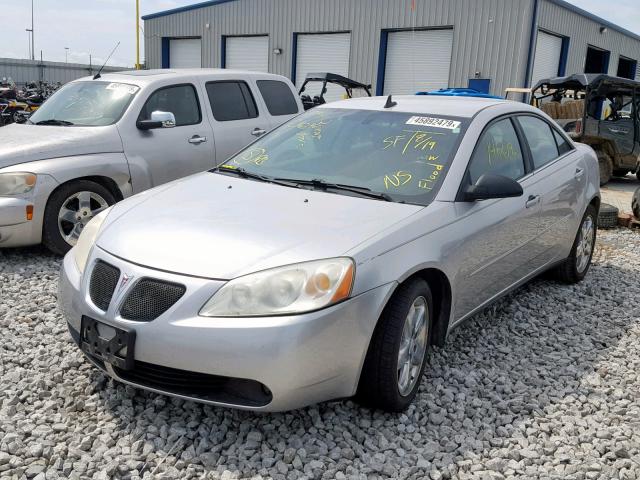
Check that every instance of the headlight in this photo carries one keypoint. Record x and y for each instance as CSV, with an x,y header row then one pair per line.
x,y
87,238
297,288
16,183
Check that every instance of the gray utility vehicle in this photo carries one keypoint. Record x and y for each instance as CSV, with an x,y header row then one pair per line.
x,y
599,110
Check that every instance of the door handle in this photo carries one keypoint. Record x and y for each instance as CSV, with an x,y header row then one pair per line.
x,y
196,139
532,201
258,131
579,173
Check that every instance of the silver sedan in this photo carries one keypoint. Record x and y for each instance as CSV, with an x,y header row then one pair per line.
x,y
323,260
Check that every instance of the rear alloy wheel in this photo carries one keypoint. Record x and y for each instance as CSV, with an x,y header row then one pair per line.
x,y
69,209
577,264
397,353
605,165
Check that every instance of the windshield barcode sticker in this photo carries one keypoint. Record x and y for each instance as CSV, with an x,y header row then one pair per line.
x,y
123,87
434,122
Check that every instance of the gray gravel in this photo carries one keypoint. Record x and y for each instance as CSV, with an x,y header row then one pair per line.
x,y
545,384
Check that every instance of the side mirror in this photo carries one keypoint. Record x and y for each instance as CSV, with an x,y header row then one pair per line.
x,y
491,186
158,119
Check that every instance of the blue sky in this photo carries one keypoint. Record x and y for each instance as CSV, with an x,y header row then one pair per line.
x,y
94,26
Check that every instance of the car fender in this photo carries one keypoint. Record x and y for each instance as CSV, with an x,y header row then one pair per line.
x,y
64,169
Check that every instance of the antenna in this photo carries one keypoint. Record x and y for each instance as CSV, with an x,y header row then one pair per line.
x,y
390,103
97,75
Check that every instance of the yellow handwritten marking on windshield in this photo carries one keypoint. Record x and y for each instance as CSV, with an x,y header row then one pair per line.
x,y
501,152
397,179
310,127
415,139
429,182
256,156
231,167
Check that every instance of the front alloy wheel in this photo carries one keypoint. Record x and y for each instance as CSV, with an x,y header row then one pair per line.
x,y
75,213
396,357
413,346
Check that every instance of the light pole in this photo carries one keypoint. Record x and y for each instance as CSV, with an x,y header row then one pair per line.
x,y
137,34
66,54
33,47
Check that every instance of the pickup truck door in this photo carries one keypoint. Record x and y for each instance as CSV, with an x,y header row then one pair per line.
x,y
161,155
238,117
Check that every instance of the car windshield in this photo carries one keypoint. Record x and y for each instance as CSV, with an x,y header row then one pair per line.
x,y
90,103
404,156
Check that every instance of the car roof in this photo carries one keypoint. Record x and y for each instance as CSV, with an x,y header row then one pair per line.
x,y
465,107
143,77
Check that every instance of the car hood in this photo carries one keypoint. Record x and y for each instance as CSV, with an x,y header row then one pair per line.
x,y
216,226
27,143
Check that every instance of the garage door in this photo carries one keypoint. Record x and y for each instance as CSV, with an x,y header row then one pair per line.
x,y
323,53
417,61
546,62
247,53
185,53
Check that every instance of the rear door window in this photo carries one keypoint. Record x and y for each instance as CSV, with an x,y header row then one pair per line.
x,y
231,100
563,145
542,143
181,100
498,152
278,97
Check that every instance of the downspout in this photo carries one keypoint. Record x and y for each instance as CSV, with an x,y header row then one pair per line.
x,y
532,44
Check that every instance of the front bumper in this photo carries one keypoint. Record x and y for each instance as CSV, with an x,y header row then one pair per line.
x,y
15,229
301,360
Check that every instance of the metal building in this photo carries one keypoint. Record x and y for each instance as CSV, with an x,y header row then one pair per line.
x,y
400,46
23,70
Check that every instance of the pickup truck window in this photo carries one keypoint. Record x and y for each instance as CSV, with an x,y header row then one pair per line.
x,y
181,100
231,100
278,97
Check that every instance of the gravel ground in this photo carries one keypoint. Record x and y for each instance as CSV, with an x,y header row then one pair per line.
x,y
545,384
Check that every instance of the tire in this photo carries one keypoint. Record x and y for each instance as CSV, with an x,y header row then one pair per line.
x,y
620,172
576,265
605,165
635,203
380,381
608,216
52,229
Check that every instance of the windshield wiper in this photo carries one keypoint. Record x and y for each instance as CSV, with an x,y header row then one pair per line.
x,y
53,121
324,185
241,172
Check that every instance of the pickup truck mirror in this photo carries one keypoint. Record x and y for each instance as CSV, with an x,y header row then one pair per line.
x,y
158,119
491,186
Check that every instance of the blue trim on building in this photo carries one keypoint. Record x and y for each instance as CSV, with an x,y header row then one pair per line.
x,y
564,57
382,61
223,51
166,54
186,8
595,18
294,57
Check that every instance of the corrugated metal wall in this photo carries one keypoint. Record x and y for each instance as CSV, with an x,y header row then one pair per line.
x,y
22,71
490,36
582,32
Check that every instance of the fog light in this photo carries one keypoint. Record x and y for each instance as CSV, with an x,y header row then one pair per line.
x,y
29,212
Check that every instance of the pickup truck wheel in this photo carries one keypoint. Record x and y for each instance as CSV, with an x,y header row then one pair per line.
x,y
577,264
396,357
606,167
69,209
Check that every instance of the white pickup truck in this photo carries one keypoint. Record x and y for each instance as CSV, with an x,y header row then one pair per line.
x,y
97,141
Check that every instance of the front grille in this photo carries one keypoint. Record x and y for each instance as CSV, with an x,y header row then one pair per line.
x,y
214,388
149,299
104,279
